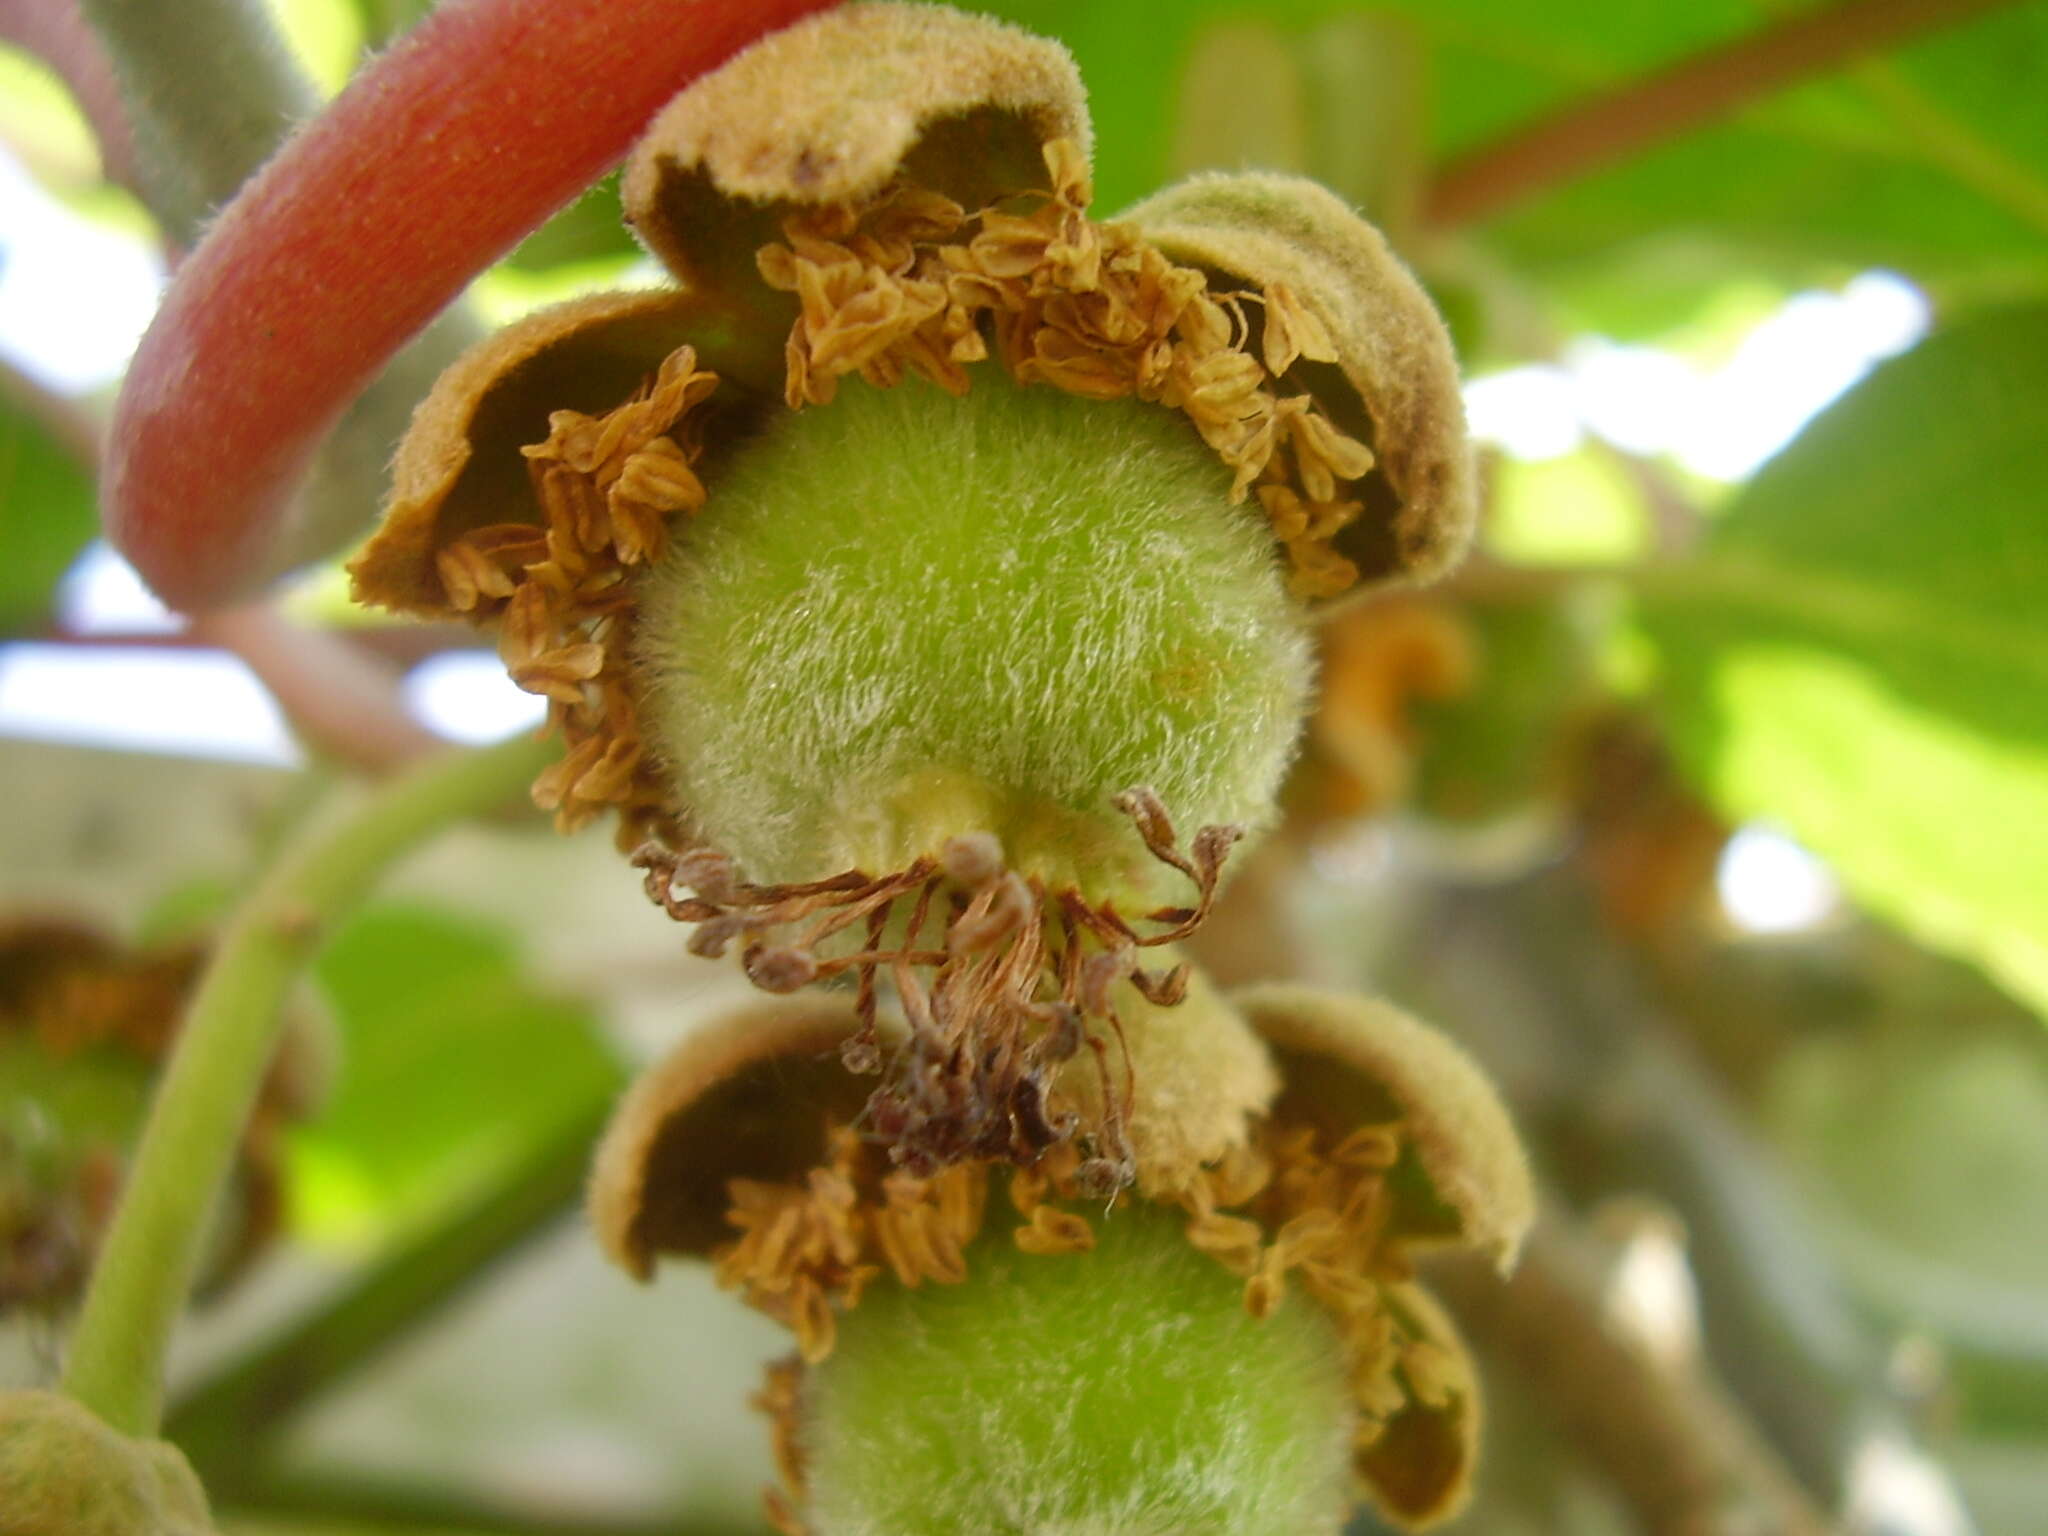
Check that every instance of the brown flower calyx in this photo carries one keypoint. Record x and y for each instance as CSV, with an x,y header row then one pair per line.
x,y
1294,1206
746,1146
1386,377
1001,983
1286,1208
1463,1180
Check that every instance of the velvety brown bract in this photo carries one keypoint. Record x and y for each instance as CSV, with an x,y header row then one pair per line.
x,y
830,111
1392,382
1348,1060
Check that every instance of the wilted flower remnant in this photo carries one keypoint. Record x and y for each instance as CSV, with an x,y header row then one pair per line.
x,y
84,1024
924,584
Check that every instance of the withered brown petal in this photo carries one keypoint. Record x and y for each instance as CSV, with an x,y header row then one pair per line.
x,y
1419,1468
459,467
749,1096
828,111
1347,1061
1394,384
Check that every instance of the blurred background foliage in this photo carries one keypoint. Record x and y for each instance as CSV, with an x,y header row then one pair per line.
x,y
1709,803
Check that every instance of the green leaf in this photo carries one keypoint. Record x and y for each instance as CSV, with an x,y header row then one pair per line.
x,y
1858,652
590,229
451,1061
47,515
1501,747
1928,161
383,20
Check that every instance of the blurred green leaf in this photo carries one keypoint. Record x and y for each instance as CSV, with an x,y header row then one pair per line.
x,y
383,20
451,1061
47,515
1926,1153
1935,1141
1579,508
1929,162
1858,652
1500,747
590,229
41,125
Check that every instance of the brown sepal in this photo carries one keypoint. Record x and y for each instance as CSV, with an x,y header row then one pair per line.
x,y
1394,382
750,1096
460,468
1349,1061
829,111
1418,1465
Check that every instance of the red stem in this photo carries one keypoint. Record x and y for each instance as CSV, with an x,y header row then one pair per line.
x,y
438,157
339,699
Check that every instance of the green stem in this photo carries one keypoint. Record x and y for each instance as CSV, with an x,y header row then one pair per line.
x,y
223,1425
146,1266
211,91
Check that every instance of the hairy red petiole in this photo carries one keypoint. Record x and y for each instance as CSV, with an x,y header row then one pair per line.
x,y
437,158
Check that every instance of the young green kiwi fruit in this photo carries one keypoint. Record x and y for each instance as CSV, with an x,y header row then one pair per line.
x,y
906,616
1123,1391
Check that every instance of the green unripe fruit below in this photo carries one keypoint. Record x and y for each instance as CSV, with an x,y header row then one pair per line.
x,y
903,616
1119,1392
65,1473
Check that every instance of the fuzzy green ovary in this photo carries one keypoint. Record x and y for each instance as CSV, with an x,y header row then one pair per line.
x,y
905,616
1121,1392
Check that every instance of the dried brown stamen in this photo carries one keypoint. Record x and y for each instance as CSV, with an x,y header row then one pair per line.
x,y
781,1399
910,282
1007,994
1290,1206
608,487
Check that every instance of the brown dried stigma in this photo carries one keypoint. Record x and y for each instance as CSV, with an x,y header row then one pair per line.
x,y
910,282
1001,983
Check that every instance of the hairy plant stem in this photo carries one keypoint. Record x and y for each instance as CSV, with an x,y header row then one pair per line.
x,y
209,91
227,1424
153,1248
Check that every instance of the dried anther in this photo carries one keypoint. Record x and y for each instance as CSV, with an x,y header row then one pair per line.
x,y
909,282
